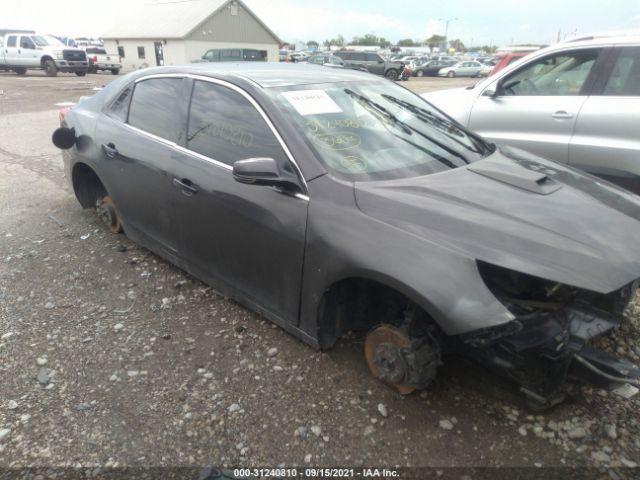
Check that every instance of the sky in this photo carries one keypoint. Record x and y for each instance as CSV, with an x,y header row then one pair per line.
x,y
487,22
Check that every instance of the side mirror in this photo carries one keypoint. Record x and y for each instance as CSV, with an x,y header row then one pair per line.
x,y
492,90
261,171
64,138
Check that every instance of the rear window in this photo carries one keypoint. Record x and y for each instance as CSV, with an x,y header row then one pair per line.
x,y
154,106
96,51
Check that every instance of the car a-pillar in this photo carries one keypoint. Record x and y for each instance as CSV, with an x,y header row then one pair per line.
x,y
402,343
91,193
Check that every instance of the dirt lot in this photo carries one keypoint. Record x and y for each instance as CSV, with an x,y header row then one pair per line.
x,y
110,356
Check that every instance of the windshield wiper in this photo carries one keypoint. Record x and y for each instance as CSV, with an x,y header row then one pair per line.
x,y
373,106
483,147
379,110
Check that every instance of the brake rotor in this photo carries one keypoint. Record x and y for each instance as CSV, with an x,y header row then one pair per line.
x,y
108,214
382,349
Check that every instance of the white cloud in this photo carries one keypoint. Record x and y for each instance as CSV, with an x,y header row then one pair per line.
x,y
296,22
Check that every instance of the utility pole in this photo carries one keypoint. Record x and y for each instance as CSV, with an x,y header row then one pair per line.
x,y
446,21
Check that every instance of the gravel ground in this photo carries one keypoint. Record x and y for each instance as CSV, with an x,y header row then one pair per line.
x,y
109,356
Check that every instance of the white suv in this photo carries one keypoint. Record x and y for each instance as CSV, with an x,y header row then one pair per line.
x,y
576,102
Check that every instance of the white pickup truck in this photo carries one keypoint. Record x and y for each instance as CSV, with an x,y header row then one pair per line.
x,y
20,51
99,59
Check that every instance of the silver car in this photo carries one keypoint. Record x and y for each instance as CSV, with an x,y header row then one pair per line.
x,y
577,102
469,68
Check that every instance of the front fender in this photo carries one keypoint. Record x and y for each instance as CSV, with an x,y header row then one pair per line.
x,y
343,242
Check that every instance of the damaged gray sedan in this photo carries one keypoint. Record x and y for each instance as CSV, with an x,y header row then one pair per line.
x,y
341,202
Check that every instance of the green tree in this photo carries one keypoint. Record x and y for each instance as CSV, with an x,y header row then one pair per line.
x,y
312,44
457,44
434,41
408,42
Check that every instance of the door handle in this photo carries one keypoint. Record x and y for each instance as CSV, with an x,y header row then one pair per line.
x,y
186,185
562,115
110,150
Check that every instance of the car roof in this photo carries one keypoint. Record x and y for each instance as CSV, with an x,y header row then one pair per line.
x,y
265,74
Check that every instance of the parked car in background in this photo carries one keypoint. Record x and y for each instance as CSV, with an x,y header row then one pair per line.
x,y
576,102
373,62
100,60
282,55
298,56
325,59
349,204
469,68
21,52
430,69
486,69
507,58
233,55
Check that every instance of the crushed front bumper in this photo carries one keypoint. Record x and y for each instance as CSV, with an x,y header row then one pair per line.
x,y
544,351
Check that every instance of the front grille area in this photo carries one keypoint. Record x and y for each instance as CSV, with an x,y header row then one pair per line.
x,y
74,55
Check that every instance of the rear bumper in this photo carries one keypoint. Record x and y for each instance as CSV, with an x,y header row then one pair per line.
x,y
106,66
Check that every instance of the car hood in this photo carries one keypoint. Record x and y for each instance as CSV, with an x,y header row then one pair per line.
x,y
539,218
455,102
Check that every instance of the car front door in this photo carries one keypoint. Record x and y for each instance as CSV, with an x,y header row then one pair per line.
x,y
137,138
26,52
245,239
375,63
606,140
535,107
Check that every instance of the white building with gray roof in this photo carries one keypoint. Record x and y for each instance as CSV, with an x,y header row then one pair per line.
x,y
174,32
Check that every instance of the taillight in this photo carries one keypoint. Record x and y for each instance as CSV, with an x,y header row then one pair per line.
x,y
95,59
62,113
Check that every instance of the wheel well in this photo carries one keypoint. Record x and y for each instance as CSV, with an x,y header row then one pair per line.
x,y
87,185
358,304
44,59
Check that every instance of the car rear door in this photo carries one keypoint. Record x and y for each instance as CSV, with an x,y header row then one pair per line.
x,y
606,140
535,107
11,50
245,239
137,145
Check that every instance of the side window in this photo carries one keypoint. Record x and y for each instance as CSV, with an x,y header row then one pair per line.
x,y
372,57
625,76
12,41
224,126
561,74
119,108
121,51
359,57
25,42
141,52
154,106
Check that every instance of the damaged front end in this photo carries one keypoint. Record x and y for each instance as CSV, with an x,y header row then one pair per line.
x,y
545,346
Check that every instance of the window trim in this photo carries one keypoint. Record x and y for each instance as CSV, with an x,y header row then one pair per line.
x,y
250,99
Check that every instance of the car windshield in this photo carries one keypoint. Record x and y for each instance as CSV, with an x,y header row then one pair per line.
x,y
377,131
46,40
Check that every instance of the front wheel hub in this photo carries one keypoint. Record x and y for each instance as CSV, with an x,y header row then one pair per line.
x,y
382,349
108,214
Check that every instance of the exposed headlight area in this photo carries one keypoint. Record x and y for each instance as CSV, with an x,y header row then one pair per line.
x,y
546,345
